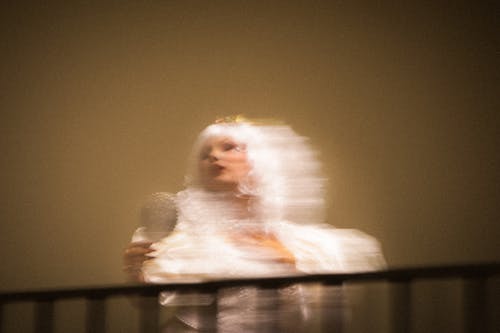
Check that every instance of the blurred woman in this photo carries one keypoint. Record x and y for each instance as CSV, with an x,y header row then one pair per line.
x,y
252,207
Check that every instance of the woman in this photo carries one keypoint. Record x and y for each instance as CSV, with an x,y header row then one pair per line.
x,y
252,207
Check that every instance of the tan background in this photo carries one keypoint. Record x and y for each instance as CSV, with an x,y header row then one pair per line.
x,y
100,104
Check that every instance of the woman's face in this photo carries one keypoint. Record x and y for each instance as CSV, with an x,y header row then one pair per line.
x,y
223,164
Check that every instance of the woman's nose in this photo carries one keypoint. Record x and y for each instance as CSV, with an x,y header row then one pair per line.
x,y
213,156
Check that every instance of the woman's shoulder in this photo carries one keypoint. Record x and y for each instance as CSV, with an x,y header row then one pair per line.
x,y
343,249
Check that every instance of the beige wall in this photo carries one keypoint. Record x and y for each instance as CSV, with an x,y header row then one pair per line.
x,y
101,103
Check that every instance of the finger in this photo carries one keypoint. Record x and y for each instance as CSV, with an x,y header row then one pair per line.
x,y
137,251
141,244
136,254
135,260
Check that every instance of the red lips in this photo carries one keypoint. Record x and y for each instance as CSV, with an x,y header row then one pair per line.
x,y
217,169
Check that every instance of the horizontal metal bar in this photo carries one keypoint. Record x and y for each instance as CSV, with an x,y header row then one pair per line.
x,y
431,272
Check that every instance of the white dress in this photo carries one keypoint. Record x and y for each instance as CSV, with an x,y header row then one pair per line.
x,y
202,250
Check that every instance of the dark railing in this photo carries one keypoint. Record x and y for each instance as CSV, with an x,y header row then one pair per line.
x,y
476,306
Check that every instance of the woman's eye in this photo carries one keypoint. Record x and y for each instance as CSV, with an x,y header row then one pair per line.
x,y
229,146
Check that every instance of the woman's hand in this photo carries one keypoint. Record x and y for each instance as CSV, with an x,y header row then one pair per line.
x,y
133,258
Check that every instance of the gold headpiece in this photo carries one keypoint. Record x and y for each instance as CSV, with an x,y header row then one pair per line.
x,y
232,119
